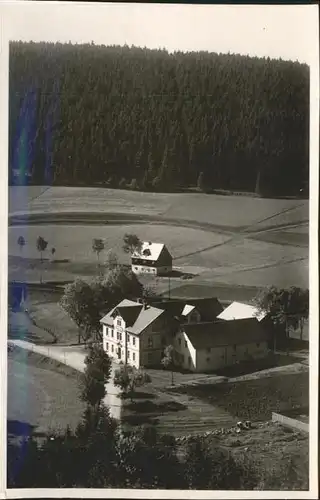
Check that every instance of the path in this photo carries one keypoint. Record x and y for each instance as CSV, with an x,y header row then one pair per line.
x,y
74,357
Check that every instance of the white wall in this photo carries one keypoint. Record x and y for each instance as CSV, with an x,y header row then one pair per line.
x,y
143,269
186,351
111,343
219,357
137,269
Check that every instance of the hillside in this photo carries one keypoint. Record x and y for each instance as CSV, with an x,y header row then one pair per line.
x,y
115,116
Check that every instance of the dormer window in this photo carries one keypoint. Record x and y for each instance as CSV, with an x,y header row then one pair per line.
x,y
119,322
194,317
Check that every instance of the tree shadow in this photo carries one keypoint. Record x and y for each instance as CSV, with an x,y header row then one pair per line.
x,y
137,420
149,407
140,395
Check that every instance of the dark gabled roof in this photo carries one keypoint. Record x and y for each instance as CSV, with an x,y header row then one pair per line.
x,y
224,333
135,315
128,313
209,309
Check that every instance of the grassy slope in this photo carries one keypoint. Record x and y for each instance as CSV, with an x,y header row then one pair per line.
x,y
42,392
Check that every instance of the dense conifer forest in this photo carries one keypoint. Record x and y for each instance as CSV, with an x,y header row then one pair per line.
x,y
146,119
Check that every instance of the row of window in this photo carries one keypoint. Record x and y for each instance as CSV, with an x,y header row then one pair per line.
x,y
147,269
110,332
143,262
113,349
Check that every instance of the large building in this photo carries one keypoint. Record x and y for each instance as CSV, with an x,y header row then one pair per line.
x,y
136,333
153,258
211,346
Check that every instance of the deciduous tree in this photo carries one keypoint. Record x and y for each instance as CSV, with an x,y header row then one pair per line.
x,y
128,378
168,359
97,247
131,243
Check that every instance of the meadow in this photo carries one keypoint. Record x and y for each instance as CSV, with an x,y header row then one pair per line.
x,y
223,239
228,211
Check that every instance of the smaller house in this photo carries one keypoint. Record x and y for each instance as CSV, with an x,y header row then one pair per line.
x,y
210,346
153,258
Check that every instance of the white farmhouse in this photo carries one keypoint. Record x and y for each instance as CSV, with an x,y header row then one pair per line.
x,y
136,333
153,258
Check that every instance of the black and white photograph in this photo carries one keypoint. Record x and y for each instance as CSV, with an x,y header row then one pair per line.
x,y
159,304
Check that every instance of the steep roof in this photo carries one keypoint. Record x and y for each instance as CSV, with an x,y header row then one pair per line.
x,y
188,308
135,315
224,333
209,308
238,310
149,251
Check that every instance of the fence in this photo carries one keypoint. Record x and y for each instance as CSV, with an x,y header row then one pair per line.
x,y
293,423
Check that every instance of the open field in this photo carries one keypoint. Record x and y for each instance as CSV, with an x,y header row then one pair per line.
x,y
223,239
208,255
42,394
53,318
255,399
229,211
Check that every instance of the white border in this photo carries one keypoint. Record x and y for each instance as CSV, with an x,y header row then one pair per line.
x,y
313,285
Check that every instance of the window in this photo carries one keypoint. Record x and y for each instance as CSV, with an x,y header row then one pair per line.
x,y
150,342
179,341
107,346
149,356
136,268
208,350
128,354
111,331
163,340
185,343
208,360
134,356
133,341
119,322
106,331
112,347
235,347
128,338
189,360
